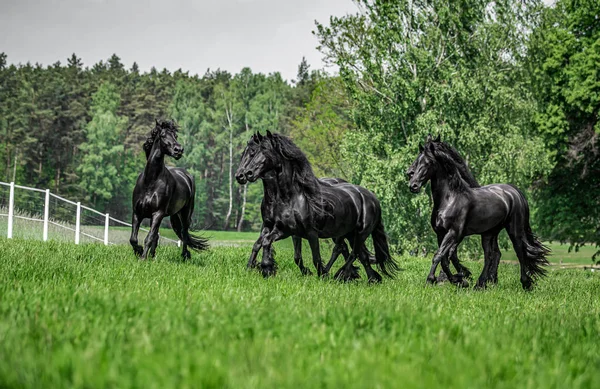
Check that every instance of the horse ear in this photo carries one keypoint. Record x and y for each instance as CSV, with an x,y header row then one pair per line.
x,y
421,148
438,138
429,137
157,123
431,147
255,137
269,135
260,137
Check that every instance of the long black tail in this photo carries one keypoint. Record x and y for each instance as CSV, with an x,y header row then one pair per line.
x,y
384,260
536,254
535,251
197,243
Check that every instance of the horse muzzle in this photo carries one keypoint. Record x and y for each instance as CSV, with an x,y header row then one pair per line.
x,y
415,188
241,179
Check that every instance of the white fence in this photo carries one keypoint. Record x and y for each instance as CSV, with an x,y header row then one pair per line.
x,y
37,205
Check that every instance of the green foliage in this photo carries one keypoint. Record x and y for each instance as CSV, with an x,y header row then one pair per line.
x,y
439,67
319,129
103,148
93,316
565,53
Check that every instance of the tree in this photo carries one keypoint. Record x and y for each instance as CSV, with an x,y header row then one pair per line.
x,y
442,67
103,147
565,53
320,128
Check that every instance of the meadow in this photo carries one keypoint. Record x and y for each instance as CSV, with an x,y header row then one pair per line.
x,y
94,316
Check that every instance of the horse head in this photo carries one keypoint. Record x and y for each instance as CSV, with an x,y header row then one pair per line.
x,y
422,168
258,158
166,133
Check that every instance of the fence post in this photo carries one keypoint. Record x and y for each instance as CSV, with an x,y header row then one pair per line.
x,y
106,230
11,210
46,214
178,243
77,223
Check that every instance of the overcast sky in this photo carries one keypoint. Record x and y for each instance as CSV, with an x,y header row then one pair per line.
x,y
266,35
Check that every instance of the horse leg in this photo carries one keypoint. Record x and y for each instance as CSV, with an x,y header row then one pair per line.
x,y
256,248
339,247
152,238
298,256
268,266
372,275
177,226
497,254
460,268
445,251
133,240
313,240
488,255
516,238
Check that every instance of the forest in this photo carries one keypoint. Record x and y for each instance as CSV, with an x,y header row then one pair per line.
x,y
513,85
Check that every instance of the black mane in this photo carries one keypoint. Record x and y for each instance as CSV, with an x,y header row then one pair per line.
x,y
166,124
452,161
303,174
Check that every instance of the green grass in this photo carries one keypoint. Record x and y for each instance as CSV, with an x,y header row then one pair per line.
x,y
561,254
93,316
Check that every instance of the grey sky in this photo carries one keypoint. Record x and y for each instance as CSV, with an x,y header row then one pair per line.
x,y
266,35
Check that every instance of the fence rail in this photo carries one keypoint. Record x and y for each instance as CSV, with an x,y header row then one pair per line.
x,y
47,220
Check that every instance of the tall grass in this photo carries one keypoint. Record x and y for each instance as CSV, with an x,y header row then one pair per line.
x,y
91,316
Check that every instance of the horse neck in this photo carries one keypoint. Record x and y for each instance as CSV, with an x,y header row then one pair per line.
x,y
441,186
270,187
155,163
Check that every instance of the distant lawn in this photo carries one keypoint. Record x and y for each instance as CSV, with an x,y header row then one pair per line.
x,y
560,252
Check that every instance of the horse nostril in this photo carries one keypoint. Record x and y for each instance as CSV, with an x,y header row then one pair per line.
x,y
249,173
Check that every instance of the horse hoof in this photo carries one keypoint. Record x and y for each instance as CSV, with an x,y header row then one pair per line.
x,y
431,279
186,255
463,283
480,285
344,276
527,285
375,279
306,272
268,271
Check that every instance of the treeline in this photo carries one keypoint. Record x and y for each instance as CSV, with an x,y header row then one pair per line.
x,y
79,130
514,85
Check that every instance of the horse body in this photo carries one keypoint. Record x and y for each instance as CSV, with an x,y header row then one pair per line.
x,y
161,191
461,210
297,204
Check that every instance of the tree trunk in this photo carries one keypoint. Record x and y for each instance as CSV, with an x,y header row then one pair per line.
x,y
241,222
230,122
15,166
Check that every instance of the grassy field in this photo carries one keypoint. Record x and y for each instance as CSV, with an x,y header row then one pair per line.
x,y
93,316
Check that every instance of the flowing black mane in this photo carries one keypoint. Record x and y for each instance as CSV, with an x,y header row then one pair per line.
x,y
302,172
166,124
458,171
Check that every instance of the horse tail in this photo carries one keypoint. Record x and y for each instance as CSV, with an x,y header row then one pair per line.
x,y
535,254
535,251
197,243
383,259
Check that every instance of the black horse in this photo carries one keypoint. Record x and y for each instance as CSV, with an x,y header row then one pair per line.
x,y
340,247
298,204
161,191
459,211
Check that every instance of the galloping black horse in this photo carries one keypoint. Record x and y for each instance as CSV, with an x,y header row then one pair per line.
x,y
298,204
161,191
460,210
340,247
